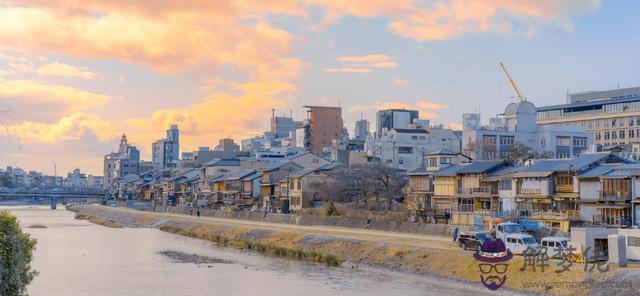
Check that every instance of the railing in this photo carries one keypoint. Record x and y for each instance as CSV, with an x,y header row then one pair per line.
x,y
479,191
530,191
615,195
463,208
551,215
611,221
564,188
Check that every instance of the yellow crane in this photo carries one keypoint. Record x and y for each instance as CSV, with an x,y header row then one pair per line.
x,y
520,97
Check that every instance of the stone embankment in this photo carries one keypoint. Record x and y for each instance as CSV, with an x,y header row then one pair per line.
x,y
449,264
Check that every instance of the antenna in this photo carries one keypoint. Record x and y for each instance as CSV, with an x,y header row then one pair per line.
x,y
273,112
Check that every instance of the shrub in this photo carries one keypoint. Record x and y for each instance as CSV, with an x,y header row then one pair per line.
x,y
16,252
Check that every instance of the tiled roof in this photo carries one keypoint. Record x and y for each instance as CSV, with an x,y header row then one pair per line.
x,y
479,167
449,171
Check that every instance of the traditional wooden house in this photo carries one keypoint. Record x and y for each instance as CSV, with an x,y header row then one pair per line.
x,y
306,185
270,182
548,190
618,200
477,193
420,187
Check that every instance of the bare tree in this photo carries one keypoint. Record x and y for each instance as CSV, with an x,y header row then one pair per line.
x,y
365,182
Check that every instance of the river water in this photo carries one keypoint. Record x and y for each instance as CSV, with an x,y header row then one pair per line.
x,y
76,257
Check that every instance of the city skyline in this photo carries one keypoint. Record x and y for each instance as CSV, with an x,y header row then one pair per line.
x,y
87,73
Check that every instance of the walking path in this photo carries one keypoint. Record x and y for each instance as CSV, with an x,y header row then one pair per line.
x,y
406,239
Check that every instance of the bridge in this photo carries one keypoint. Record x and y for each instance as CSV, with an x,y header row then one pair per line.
x,y
59,194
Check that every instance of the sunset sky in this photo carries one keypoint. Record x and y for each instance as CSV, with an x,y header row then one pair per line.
x,y
75,75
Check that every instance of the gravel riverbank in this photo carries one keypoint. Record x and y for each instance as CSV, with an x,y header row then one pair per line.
x,y
449,264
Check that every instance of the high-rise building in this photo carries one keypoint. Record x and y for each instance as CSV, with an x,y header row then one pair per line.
x,y
282,126
324,125
394,118
362,130
165,152
470,121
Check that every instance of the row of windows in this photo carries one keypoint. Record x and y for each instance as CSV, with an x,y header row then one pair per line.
x,y
418,137
610,108
608,123
613,135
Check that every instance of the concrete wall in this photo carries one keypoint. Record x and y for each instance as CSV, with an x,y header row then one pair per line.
x,y
309,220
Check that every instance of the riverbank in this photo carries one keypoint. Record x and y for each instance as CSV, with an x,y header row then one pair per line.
x,y
443,260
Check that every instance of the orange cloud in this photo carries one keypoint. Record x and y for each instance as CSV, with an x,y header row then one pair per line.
x,y
399,81
64,70
38,99
68,128
445,20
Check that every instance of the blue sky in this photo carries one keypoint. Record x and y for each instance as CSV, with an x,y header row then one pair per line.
x,y
74,81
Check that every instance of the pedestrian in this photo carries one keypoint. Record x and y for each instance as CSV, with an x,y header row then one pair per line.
x,y
198,212
191,210
455,233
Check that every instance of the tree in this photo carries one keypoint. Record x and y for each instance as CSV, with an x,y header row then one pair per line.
x,y
364,182
16,252
519,151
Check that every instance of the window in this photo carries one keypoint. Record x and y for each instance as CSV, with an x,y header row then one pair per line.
x,y
405,150
633,241
489,140
421,138
563,141
400,161
632,134
507,141
579,141
445,160
414,137
631,121
504,185
564,180
606,135
433,162
622,134
614,135
542,142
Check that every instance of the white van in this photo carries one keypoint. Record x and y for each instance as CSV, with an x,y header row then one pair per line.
x,y
555,243
503,229
519,242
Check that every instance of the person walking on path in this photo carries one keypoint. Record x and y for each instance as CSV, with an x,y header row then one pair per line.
x,y
198,212
455,233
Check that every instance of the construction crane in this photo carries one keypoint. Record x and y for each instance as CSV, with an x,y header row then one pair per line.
x,y
520,97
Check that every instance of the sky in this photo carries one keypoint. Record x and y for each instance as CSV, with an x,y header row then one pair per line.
x,y
76,75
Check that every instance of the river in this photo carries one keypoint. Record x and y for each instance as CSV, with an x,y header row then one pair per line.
x,y
75,257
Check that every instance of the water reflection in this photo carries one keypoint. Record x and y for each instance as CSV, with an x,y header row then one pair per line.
x,y
76,257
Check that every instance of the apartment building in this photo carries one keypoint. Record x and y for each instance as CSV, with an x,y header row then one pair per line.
x,y
611,116
323,125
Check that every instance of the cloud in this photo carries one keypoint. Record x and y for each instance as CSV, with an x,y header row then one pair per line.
x,y
347,70
398,81
363,63
426,108
33,99
68,128
64,70
167,40
446,20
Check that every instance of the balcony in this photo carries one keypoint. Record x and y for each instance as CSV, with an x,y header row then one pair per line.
x,y
530,191
612,221
615,196
552,215
564,188
479,191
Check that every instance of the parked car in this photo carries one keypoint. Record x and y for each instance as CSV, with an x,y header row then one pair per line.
x,y
471,240
504,229
555,243
519,242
